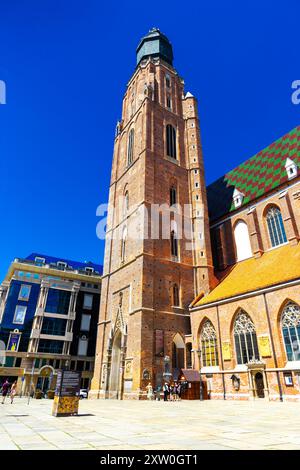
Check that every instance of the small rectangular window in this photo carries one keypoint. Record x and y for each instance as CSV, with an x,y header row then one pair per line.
x,y
89,270
168,81
24,292
39,261
20,313
88,301
85,322
196,185
61,265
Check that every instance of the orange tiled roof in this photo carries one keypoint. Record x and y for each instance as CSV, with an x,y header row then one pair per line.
x,y
273,267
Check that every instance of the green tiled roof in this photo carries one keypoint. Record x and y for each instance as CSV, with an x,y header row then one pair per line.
x,y
255,177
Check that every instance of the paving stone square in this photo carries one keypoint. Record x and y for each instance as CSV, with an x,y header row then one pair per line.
x,y
144,425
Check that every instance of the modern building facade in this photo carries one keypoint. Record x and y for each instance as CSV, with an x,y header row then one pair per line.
x,y
48,320
222,297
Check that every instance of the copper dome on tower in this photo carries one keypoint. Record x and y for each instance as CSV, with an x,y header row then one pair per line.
x,y
155,44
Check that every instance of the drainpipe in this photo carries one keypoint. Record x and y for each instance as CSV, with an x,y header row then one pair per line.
x,y
273,346
221,355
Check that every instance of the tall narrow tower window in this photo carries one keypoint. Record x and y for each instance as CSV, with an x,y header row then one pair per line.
x,y
126,203
176,301
123,244
130,147
171,141
173,196
174,244
168,81
169,102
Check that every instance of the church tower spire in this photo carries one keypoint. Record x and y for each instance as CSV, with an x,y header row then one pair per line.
x,y
157,249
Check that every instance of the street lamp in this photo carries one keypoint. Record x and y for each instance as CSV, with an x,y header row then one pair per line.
x,y
199,352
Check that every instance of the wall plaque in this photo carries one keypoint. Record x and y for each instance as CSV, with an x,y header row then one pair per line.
x,y
264,346
226,350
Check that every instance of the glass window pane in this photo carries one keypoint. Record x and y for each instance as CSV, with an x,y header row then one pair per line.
x,y
85,322
20,313
88,301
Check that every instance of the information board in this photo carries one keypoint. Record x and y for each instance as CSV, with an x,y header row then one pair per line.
x,y
68,383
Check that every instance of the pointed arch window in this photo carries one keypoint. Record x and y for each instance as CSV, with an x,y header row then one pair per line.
x,y
174,244
130,147
171,141
276,227
245,339
290,324
176,300
209,348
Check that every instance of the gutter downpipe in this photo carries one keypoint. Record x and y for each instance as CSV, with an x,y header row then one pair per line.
x,y
221,354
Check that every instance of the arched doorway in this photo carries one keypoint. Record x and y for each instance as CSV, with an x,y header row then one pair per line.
x,y
259,385
115,366
178,352
44,381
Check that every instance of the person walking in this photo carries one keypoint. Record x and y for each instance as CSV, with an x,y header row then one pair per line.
x,y
13,391
175,391
166,391
149,389
171,390
179,391
5,389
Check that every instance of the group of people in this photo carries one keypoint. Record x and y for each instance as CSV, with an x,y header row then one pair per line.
x,y
172,392
8,389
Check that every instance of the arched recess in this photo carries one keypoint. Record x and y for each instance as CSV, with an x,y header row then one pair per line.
x,y
115,363
242,241
178,347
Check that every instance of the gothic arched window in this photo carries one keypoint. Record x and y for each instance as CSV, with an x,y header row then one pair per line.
x,y
245,339
290,324
174,244
209,348
275,226
171,141
176,300
130,147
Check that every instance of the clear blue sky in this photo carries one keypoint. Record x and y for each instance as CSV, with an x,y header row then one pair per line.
x,y
66,64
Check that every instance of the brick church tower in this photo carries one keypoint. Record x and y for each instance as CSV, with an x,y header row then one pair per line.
x,y
152,271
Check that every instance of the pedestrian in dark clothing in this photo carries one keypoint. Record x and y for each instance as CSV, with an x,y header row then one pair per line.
x,y
5,389
166,391
179,391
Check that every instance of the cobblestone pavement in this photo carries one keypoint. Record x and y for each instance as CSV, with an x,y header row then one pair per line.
x,y
151,425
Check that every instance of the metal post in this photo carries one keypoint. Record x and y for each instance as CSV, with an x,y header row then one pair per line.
x,y
200,375
31,383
